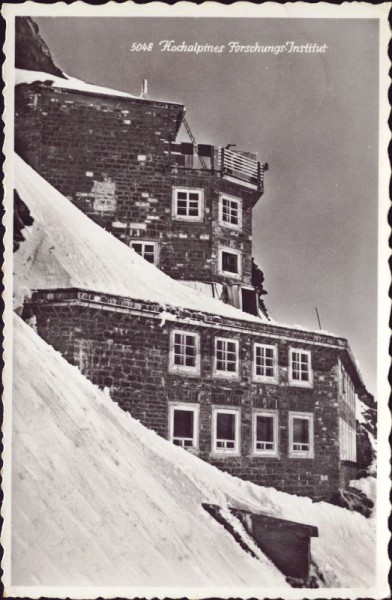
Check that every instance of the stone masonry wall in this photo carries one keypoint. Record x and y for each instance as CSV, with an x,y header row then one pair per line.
x,y
130,356
109,156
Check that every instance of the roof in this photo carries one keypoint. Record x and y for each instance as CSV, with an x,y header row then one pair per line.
x,y
23,76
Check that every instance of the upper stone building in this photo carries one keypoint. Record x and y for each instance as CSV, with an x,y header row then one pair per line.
x,y
185,208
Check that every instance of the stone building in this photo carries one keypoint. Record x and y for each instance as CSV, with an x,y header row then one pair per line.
x,y
265,402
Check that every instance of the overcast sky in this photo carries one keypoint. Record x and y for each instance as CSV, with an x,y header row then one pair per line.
x,y
312,117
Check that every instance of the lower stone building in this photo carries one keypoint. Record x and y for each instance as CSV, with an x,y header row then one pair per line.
x,y
267,403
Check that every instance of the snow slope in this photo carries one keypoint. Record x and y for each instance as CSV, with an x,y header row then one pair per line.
x,y
65,248
98,499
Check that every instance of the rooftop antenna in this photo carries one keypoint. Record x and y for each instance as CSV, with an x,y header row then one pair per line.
x,y
144,91
318,318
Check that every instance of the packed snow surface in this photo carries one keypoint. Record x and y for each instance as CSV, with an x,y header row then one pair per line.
x,y
64,248
98,499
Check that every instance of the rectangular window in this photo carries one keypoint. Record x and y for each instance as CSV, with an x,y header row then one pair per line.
x,y
184,425
147,250
225,430
188,204
226,357
265,367
230,262
265,433
230,211
185,352
300,368
301,443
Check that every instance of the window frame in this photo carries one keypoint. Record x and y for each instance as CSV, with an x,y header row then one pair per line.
x,y
227,224
306,416
191,407
184,369
265,378
274,453
236,451
229,250
226,374
144,242
298,382
187,218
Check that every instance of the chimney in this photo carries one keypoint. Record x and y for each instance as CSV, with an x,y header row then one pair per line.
x,y
144,91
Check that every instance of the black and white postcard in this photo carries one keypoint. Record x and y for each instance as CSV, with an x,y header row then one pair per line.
x,y
196,276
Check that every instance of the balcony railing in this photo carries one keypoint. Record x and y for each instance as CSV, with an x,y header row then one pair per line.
x,y
234,165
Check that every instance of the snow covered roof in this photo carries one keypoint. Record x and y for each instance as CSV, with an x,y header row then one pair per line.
x,y
99,500
69,83
64,248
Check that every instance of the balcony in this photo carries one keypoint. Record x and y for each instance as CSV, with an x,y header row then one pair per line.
x,y
236,166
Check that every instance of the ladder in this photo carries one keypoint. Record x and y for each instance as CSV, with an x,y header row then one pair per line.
x,y
192,138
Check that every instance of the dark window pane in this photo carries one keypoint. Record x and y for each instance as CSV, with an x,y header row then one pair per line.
x,y
193,196
300,431
265,429
225,426
230,262
181,195
183,423
137,248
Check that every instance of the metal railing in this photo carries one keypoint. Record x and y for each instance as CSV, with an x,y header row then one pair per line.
x,y
240,166
222,161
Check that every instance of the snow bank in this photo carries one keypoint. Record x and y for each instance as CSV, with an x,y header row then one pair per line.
x,y
100,500
360,410
65,248
366,485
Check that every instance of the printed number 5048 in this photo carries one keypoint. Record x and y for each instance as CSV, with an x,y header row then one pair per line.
x,y
141,47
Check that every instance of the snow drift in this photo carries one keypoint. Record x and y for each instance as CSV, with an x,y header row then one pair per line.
x,y
97,499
